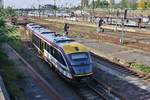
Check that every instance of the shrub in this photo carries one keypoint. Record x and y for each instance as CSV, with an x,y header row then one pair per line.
x,y
141,67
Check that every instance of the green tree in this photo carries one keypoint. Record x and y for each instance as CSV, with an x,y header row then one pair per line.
x,y
10,11
84,3
124,4
2,22
147,5
104,4
98,3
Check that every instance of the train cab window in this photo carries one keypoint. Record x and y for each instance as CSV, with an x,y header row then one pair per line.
x,y
78,58
61,59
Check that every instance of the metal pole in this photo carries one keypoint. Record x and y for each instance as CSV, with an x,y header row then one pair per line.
x,y
93,9
39,10
122,33
117,15
82,5
55,8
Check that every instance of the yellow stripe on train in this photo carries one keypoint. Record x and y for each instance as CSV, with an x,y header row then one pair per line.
x,y
74,48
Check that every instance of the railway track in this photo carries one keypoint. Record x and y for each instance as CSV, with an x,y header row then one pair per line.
x,y
95,90
122,69
90,91
38,78
87,93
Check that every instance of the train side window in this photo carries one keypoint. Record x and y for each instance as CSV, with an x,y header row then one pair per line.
x,y
45,45
33,39
52,52
50,49
47,48
58,56
36,40
41,45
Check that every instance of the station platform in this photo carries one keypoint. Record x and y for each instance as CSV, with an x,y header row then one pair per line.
x,y
110,27
117,53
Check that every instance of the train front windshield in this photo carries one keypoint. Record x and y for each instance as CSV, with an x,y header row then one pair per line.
x,y
81,63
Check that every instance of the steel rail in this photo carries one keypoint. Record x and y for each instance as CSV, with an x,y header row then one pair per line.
x,y
109,89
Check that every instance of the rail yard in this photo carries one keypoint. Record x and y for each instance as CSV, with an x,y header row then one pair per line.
x,y
99,50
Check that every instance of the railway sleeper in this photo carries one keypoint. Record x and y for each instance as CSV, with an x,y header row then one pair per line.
x,y
88,94
102,94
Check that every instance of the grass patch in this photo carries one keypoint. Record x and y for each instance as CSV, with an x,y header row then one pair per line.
x,y
12,37
141,67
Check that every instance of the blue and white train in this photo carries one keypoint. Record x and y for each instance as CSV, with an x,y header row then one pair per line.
x,y
70,58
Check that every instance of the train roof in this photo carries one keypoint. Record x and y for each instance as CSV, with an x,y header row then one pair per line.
x,y
69,45
62,39
31,24
73,47
36,26
43,31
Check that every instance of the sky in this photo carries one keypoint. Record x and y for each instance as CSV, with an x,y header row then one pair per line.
x,y
35,3
31,3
